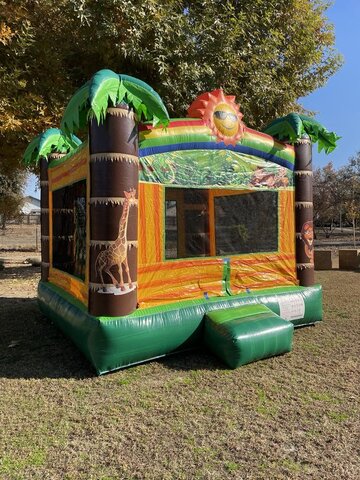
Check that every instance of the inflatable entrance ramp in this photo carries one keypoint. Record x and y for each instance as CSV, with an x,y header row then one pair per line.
x,y
246,334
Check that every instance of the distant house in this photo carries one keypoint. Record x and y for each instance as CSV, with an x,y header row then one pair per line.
x,y
31,206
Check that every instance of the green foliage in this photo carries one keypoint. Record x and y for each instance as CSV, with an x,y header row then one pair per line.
x,y
52,140
268,54
294,126
30,96
11,187
107,88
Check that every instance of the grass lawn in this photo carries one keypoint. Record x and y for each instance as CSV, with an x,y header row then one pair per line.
x,y
184,417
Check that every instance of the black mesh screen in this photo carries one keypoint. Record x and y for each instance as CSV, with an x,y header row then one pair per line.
x,y
171,245
243,222
246,223
69,229
186,223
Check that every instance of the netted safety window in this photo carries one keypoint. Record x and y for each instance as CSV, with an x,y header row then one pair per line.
x,y
186,223
201,222
246,223
69,229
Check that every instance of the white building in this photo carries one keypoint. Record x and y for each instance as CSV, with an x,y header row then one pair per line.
x,y
31,206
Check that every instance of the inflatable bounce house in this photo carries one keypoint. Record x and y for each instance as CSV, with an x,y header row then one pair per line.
x,y
160,235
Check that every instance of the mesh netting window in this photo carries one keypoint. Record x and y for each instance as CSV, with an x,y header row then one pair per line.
x,y
69,229
186,223
171,229
246,223
200,222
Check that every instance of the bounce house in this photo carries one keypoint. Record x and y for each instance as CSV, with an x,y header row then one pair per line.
x,y
161,235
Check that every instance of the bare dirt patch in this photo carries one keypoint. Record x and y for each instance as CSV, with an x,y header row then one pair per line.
x,y
185,417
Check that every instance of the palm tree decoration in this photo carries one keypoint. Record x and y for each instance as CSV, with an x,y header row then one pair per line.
x,y
51,141
106,89
295,126
107,103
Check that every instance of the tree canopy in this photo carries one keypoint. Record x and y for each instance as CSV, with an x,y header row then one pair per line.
x,y
337,195
268,54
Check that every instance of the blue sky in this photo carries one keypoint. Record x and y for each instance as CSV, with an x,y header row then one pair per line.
x,y
337,105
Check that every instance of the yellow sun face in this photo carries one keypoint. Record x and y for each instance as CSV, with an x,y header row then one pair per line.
x,y
221,114
226,120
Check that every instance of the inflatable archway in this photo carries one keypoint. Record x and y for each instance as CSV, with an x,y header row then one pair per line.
x,y
161,234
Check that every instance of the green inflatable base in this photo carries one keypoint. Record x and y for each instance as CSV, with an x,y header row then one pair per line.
x,y
111,343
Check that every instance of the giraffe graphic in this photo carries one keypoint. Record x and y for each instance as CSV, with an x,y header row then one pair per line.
x,y
116,254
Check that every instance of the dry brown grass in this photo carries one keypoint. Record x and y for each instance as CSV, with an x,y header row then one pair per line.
x,y
184,417
20,237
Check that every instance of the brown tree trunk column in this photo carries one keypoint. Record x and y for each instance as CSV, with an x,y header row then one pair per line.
x,y
304,213
44,204
114,167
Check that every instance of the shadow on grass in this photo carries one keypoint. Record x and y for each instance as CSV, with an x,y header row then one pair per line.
x,y
199,359
32,347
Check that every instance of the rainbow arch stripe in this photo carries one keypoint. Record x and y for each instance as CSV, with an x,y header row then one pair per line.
x,y
194,134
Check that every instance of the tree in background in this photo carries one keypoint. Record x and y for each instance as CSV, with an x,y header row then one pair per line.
x,y
10,195
268,54
22,110
327,194
350,178
13,44
337,195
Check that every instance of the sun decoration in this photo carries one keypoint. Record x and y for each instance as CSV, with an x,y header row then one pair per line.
x,y
221,114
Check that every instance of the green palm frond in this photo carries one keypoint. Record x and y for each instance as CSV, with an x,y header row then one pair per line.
x,y
295,126
107,88
142,95
104,88
51,141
